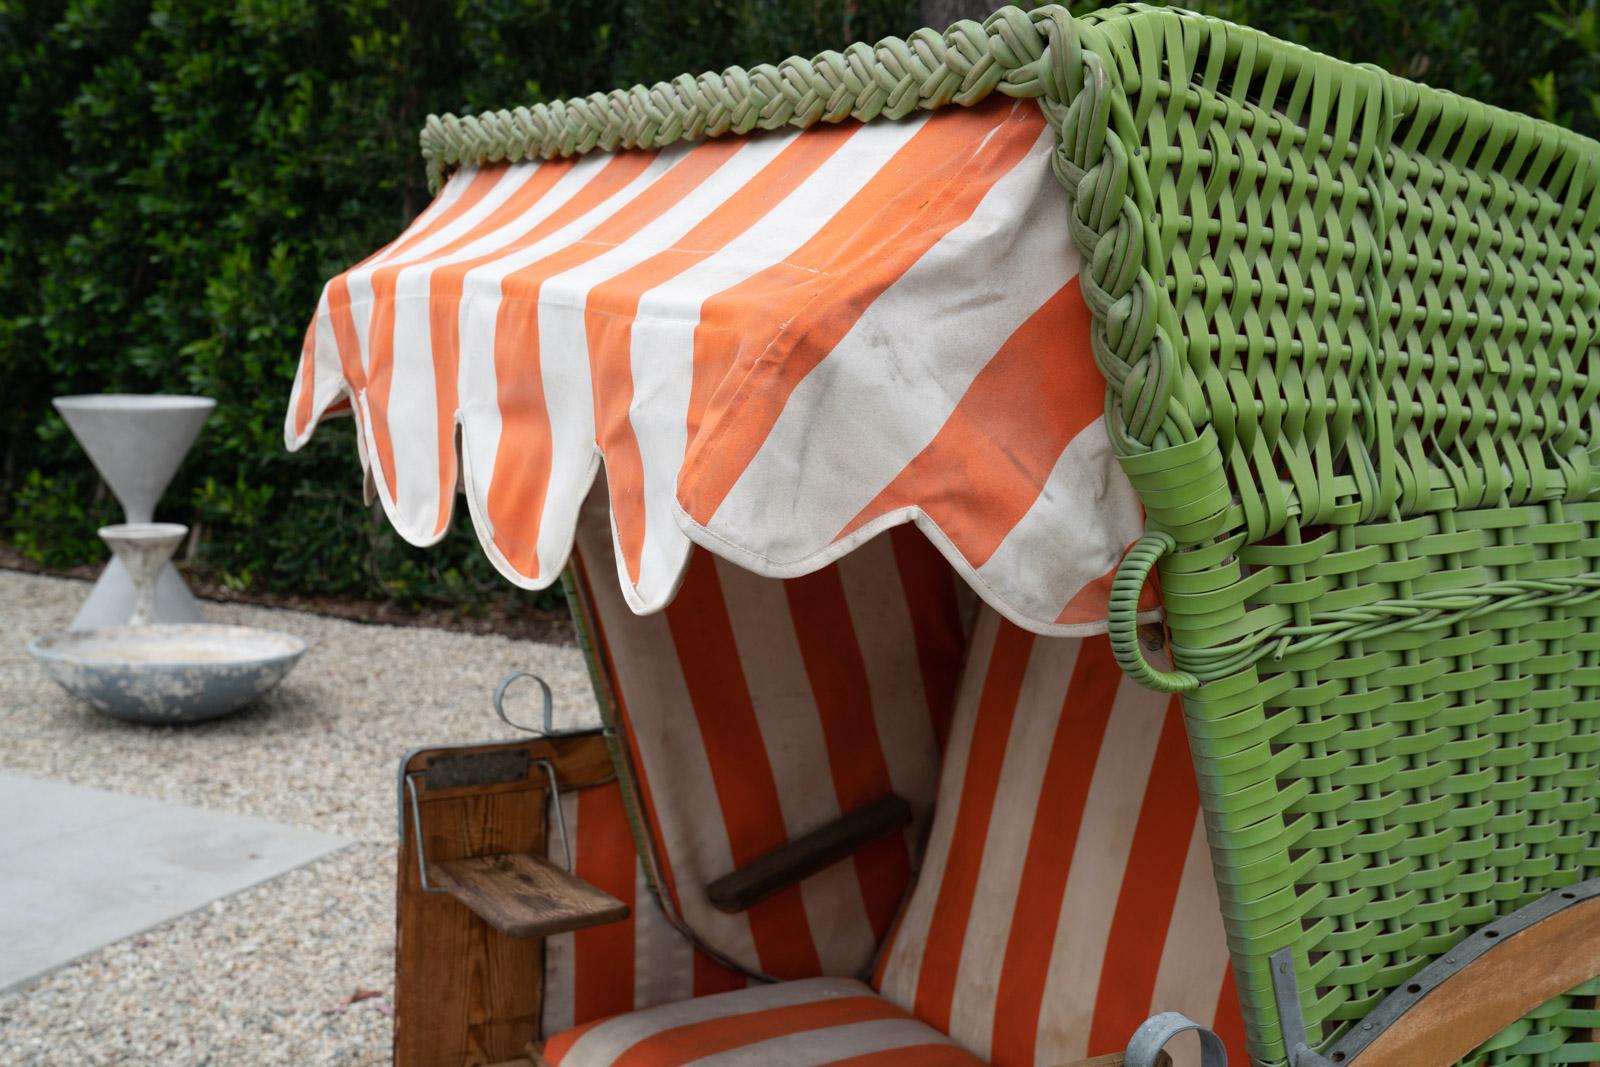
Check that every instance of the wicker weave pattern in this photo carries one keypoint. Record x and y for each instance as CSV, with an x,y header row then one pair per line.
x,y
1348,324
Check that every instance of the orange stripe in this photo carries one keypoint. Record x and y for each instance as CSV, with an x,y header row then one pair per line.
x,y
522,463
708,976
834,664
935,623
308,379
591,616
603,956
1090,603
747,333
556,1049
380,324
711,977
990,460
929,1055
1149,891
613,306
741,771
1057,821
947,929
445,286
693,1041
344,333
1229,1020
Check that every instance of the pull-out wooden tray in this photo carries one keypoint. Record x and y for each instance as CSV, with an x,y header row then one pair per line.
x,y
522,895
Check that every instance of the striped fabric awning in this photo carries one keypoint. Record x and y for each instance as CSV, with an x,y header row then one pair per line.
x,y
779,345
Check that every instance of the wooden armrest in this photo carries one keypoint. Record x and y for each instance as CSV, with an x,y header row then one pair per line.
x,y
809,854
1115,1060
1487,982
525,896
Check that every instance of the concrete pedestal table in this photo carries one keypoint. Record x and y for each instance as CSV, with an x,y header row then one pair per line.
x,y
136,443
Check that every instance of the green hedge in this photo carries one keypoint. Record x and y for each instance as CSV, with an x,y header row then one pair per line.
x,y
182,176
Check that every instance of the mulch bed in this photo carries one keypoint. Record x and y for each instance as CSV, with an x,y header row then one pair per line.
x,y
505,616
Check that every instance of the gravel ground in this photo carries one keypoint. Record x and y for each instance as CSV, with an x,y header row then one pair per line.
x,y
285,972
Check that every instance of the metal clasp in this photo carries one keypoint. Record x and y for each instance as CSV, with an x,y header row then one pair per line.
x,y
416,821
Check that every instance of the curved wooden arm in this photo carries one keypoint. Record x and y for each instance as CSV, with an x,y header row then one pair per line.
x,y
1507,969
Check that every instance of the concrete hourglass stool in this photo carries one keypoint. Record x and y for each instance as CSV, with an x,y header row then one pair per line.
x,y
136,442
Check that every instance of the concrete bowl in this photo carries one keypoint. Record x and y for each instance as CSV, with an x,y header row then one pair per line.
x,y
168,672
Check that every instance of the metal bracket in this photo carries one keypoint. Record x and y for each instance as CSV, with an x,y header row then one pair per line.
x,y
548,729
1154,1033
1291,1018
469,769
525,762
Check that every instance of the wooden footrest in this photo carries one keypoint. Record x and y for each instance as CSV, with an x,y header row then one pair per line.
x,y
523,896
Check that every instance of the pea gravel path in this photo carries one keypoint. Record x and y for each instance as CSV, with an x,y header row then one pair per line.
x,y
283,973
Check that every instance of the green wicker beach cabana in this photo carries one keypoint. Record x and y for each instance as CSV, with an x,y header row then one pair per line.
x,y
866,402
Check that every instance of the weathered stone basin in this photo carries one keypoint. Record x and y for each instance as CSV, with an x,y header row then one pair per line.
x,y
168,672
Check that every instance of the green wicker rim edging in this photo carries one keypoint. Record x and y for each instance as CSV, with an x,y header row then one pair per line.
x,y
891,79
1350,327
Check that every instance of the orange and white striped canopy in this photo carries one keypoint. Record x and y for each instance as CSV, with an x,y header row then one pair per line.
x,y
779,345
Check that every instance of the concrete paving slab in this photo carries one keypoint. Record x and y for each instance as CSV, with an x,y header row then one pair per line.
x,y
81,868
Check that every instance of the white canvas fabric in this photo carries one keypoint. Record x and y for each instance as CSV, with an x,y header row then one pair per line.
x,y
757,710
778,346
1066,894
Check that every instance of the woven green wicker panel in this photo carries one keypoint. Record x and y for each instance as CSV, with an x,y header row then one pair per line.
x,y
1349,324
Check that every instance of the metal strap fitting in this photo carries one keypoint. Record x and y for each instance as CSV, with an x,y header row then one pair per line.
x,y
1291,1019
416,821
548,727
1153,1035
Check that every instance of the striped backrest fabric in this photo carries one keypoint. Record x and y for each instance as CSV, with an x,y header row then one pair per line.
x,y
626,966
1066,893
756,710
778,345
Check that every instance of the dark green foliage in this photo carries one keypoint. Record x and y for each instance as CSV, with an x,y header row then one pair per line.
x,y
182,175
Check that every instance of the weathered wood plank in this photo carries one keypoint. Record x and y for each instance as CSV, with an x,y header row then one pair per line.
x,y
809,854
524,896
1520,973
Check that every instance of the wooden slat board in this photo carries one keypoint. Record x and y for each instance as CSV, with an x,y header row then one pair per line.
x,y
465,994
524,896
1520,973
808,854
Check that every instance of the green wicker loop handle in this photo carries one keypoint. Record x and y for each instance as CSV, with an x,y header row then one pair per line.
x,y
1123,617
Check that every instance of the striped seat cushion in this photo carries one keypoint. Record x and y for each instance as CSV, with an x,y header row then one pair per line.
x,y
756,710
1066,892
811,1023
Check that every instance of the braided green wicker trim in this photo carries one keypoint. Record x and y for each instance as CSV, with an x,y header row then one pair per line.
x,y
891,79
